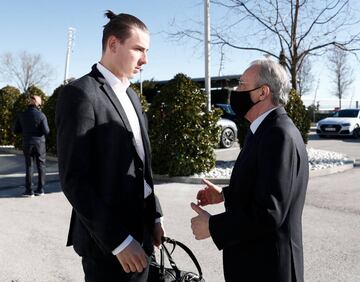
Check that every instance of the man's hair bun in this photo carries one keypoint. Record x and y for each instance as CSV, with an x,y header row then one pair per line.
x,y
110,14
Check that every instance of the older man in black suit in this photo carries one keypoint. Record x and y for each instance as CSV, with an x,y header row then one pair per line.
x,y
260,231
104,160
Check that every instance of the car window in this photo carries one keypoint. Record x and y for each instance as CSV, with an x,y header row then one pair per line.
x,y
347,113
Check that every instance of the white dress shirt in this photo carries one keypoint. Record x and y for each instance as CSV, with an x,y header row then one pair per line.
x,y
119,88
256,123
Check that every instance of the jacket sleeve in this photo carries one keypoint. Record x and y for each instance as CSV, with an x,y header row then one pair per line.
x,y
44,126
17,126
75,121
272,190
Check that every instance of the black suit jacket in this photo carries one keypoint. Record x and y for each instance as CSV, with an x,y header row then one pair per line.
x,y
33,125
101,172
260,231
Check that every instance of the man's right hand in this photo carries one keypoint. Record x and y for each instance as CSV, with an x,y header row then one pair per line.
x,y
133,258
211,194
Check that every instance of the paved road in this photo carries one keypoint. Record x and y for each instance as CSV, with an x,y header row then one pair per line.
x,y
348,146
33,231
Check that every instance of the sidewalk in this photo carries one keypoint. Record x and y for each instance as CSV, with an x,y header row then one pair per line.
x,y
12,170
34,231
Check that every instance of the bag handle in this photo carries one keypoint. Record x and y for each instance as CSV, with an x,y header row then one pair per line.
x,y
185,248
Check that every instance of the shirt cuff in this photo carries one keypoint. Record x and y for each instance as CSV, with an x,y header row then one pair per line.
x,y
123,245
159,219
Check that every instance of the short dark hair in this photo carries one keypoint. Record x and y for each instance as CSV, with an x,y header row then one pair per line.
x,y
120,26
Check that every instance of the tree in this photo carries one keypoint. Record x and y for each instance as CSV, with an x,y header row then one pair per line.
x,y
25,69
305,78
49,111
288,30
144,103
299,115
149,89
182,133
341,73
8,97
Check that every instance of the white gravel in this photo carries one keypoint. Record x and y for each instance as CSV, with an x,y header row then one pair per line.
x,y
318,159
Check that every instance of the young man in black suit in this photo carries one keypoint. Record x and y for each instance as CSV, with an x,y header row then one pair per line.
x,y
104,160
33,126
260,231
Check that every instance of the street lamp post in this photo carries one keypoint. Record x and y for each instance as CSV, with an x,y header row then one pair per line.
x,y
141,83
207,52
71,34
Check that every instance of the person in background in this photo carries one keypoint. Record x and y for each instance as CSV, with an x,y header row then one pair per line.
x,y
105,161
260,231
33,126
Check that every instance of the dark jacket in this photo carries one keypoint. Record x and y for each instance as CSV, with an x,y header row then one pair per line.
x,y
33,125
101,172
260,232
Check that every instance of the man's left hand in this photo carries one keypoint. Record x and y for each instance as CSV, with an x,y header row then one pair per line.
x,y
158,233
200,223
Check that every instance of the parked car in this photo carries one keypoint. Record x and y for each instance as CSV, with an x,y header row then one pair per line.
x,y
343,123
227,111
228,126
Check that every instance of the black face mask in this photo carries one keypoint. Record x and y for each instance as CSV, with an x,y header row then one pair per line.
x,y
240,102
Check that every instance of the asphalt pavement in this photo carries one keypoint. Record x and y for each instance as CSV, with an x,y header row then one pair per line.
x,y
34,230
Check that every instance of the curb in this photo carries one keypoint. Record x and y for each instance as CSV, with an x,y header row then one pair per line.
x,y
313,173
188,179
218,181
12,150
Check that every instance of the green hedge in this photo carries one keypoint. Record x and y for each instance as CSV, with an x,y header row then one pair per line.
x,y
183,135
298,113
8,97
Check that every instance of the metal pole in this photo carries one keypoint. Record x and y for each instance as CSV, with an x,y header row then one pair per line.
x,y
141,86
207,52
71,32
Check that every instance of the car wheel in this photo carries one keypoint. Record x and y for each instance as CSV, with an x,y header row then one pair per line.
x,y
227,138
356,132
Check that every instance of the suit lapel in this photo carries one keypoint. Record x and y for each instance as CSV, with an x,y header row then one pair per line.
x,y
268,120
138,109
119,108
253,139
112,97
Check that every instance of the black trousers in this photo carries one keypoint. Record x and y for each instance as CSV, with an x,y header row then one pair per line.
x,y
35,153
107,268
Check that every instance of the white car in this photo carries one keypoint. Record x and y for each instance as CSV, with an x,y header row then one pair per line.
x,y
228,132
343,123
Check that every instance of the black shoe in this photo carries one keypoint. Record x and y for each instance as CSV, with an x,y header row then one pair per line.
x,y
39,193
28,194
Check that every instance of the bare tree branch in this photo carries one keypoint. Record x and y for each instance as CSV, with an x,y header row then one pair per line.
x,y
25,70
341,73
285,26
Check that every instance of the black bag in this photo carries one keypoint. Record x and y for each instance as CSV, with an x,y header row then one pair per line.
x,y
160,273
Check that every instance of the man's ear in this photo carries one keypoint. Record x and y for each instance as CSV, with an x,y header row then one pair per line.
x,y
265,91
111,43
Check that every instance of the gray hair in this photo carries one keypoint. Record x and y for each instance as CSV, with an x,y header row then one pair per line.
x,y
275,76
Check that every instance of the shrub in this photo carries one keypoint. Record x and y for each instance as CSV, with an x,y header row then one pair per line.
x,y
8,97
298,113
243,126
49,110
182,133
143,101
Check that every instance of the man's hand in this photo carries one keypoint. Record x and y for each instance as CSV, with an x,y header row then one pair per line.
x,y
158,233
132,258
211,194
200,223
